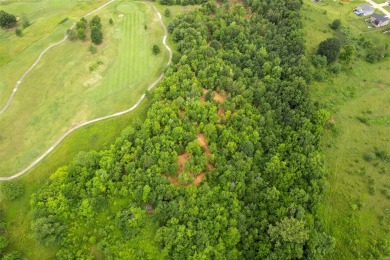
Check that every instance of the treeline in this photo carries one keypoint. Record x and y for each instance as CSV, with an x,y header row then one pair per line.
x,y
227,163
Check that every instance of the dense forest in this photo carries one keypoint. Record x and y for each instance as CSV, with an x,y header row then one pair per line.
x,y
227,164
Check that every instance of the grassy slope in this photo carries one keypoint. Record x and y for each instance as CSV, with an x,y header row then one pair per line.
x,y
355,216
18,53
94,137
71,95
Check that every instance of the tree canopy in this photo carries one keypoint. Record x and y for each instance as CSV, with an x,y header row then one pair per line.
x,y
7,20
227,163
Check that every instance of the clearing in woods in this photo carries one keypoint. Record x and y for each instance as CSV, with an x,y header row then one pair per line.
x,y
70,85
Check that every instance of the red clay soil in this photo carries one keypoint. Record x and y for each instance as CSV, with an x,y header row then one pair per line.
x,y
181,160
218,97
203,143
221,112
173,180
198,179
203,97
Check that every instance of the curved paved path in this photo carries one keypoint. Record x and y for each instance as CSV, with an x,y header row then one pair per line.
x,y
105,117
8,103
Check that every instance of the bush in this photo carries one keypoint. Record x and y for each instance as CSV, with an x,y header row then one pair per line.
x,y
111,21
330,48
12,189
7,20
96,22
72,35
92,49
167,12
25,23
96,35
81,34
335,24
369,157
156,49
18,32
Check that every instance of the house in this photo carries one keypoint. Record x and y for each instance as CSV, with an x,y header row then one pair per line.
x,y
379,20
364,10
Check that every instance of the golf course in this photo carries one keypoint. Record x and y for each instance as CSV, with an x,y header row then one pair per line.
x,y
70,85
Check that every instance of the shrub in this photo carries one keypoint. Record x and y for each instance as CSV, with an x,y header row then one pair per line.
x,y
96,22
369,157
72,35
156,49
335,24
92,48
167,12
111,21
12,189
330,48
96,35
18,32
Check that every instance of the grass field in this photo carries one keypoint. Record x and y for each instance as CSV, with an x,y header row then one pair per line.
x,y
70,85
356,205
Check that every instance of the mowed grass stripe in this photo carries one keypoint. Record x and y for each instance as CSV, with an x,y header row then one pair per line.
x,y
30,132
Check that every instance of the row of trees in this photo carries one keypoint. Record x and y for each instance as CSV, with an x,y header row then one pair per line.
x,y
263,172
80,31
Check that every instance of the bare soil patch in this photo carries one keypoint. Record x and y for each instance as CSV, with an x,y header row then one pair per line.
x,y
183,158
203,143
221,112
218,97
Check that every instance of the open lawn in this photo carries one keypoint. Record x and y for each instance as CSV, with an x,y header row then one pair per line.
x,y
70,85
356,205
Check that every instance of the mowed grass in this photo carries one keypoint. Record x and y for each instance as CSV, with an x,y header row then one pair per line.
x,y
18,53
356,204
70,85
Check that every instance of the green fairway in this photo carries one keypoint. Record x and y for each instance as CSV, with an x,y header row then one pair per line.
x,y
70,85
356,203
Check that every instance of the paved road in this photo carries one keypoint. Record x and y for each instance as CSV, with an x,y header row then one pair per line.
x,y
380,7
20,80
101,118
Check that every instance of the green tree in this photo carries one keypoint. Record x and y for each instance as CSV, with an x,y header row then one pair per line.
x,y
156,49
330,48
347,53
7,20
81,34
167,12
335,25
96,35
96,22
111,22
